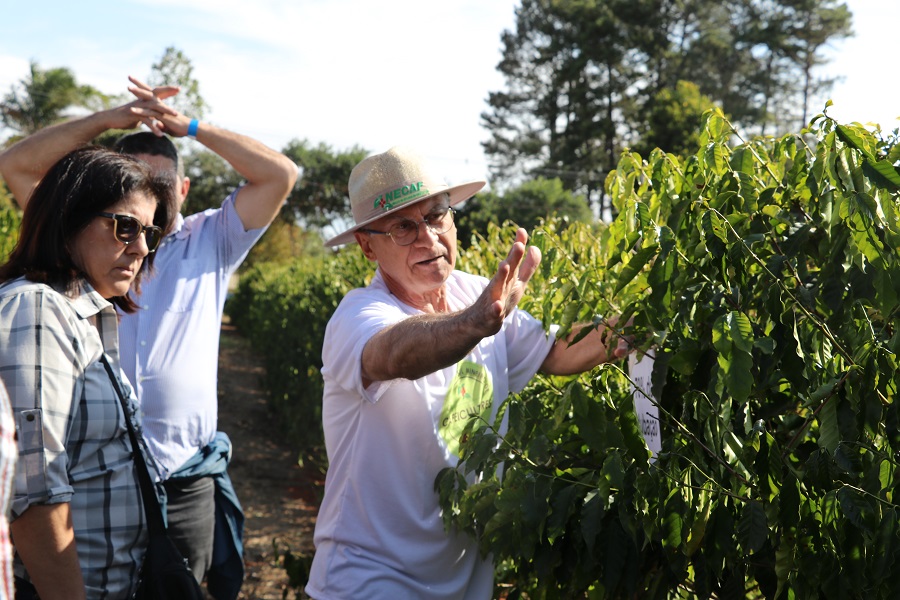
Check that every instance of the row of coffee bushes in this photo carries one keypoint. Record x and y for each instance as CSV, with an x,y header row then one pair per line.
x,y
765,275
283,310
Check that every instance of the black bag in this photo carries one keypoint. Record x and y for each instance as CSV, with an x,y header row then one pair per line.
x,y
165,574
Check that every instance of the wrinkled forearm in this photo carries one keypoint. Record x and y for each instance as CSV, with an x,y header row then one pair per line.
x,y
421,345
566,358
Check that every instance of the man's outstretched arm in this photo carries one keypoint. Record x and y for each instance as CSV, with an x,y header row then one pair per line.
x,y
422,344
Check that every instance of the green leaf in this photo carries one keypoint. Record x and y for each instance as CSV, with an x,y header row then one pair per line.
x,y
643,215
854,507
698,527
829,433
785,565
592,512
535,505
613,471
568,315
742,160
634,266
562,509
733,339
673,522
753,529
631,433
741,331
685,359
856,138
887,548
886,475
823,391
713,226
883,172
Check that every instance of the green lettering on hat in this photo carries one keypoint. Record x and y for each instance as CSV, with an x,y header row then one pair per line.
x,y
400,196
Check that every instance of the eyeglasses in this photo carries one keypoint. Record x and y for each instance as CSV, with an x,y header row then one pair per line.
x,y
127,229
406,231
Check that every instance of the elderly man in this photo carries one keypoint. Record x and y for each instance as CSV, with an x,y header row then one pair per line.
x,y
403,359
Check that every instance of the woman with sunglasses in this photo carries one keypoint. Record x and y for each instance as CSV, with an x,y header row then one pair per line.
x,y
87,236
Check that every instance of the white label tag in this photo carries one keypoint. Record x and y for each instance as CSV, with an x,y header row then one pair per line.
x,y
640,369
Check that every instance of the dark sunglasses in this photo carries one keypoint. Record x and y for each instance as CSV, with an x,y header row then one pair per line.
x,y
127,229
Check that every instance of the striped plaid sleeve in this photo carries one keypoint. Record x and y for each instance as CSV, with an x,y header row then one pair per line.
x,y
40,367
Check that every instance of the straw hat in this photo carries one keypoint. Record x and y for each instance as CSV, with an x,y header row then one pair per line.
x,y
384,183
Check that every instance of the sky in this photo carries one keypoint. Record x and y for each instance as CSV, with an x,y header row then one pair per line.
x,y
350,73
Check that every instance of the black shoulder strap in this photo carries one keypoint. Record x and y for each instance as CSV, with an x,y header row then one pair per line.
x,y
152,509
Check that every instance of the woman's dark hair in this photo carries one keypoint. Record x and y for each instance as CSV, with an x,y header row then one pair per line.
x,y
81,184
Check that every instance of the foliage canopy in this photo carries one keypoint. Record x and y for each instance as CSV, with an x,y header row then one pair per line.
x,y
586,79
767,280
43,98
526,205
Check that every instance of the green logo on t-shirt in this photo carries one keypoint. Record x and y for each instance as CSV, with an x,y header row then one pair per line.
x,y
471,395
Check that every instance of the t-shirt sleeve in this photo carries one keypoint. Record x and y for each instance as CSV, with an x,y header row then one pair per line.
x,y
359,316
235,241
527,345
40,368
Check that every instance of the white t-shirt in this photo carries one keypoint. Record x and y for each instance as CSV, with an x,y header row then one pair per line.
x,y
379,533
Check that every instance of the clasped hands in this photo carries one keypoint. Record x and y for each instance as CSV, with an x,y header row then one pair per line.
x,y
150,109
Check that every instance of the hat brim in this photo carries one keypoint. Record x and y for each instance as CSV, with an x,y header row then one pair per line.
x,y
458,193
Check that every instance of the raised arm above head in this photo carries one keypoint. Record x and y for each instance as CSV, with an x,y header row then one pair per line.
x,y
25,163
270,175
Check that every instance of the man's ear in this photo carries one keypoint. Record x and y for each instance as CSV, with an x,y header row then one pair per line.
x,y
185,186
365,243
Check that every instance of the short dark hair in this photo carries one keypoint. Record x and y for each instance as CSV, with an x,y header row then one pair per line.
x,y
145,142
81,184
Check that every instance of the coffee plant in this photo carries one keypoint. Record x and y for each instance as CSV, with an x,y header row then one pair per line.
x,y
764,276
283,310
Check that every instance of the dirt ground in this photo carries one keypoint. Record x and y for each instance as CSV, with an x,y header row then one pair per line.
x,y
280,499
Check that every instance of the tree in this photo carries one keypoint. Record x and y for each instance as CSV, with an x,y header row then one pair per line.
x,y
526,206
43,98
565,105
811,25
175,68
705,44
321,195
283,243
212,179
583,77
672,118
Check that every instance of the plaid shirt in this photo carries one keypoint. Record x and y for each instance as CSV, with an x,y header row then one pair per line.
x,y
8,456
73,440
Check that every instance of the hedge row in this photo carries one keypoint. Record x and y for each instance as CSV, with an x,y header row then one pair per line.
x,y
767,277
283,310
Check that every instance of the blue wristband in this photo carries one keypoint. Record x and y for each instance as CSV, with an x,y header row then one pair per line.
x,y
192,128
